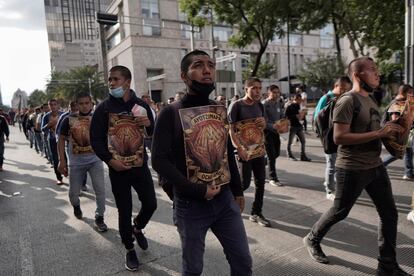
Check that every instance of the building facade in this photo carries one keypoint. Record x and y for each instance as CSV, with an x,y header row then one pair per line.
x,y
72,33
152,36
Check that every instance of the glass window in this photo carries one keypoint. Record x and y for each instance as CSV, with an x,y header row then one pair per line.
x,y
114,40
222,33
149,9
327,36
295,39
186,32
151,27
154,72
47,3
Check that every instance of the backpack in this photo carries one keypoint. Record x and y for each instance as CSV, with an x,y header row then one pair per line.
x,y
324,126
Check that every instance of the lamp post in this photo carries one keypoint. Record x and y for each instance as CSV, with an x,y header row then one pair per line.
x,y
409,42
108,20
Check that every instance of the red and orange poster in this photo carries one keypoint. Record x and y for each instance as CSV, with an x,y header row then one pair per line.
x,y
205,139
126,139
251,136
79,134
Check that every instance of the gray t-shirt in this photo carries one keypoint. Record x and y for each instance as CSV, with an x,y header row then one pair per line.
x,y
239,111
361,156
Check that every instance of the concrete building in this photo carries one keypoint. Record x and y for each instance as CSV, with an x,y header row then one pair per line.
x,y
19,100
152,36
72,32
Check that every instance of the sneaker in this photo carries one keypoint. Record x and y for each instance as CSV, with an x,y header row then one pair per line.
x,y
84,188
330,196
292,158
315,251
59,182
305,158
275,183
410,216
77,212
140,238
131,260
100,224
407,177
260,219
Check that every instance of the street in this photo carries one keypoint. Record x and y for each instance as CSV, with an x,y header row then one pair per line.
x,y
39,234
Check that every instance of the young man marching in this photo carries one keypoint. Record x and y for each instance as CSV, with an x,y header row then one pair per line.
x,y
117,137
74,128
192,152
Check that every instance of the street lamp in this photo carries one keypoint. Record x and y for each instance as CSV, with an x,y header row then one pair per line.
x,y
105,19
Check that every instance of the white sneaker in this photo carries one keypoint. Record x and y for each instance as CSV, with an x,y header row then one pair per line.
x,y
410,216
406,177
330,196
275,183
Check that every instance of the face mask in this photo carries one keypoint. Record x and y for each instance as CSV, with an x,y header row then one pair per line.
x,y
117,92
203,89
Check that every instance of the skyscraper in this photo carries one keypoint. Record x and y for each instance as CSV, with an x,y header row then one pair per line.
x,y
72,32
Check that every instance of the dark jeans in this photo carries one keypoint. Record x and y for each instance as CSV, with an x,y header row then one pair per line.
x,y
141,180
257,166
296,131
221,214
273,151
53,149
349,185
1,150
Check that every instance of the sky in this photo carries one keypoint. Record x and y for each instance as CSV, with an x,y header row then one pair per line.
x,y
24,50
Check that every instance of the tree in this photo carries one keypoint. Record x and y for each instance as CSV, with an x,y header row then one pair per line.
x,y
67,85
37,98
266,70
256,21
321,72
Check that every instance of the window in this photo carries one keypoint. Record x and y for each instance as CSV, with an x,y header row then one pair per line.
x,y
47,3
186,32
245,59
327,36
295,39
151,22
222,33
114,40
154,72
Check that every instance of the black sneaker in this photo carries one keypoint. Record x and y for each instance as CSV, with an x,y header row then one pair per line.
x,y
131,260
315,251
77,212
100,224
292,158
260,219
305,158
394,270
141,239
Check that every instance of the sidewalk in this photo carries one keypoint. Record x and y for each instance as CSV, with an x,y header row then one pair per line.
x,y
39,234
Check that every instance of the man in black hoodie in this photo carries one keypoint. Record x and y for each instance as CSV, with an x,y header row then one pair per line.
x,y
116,137
200,165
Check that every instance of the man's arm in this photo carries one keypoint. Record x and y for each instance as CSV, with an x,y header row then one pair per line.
x,y
99,133
62,167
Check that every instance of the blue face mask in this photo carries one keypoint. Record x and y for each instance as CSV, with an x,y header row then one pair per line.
x,y
117,92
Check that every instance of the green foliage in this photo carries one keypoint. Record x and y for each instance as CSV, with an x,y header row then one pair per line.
x,y
37,98
265,71
79,80
321,72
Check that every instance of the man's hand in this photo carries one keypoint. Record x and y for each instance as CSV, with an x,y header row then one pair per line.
x,y
242,153
390,130
261,122
7,139
118,165
212,191
143,121
63,168
240,201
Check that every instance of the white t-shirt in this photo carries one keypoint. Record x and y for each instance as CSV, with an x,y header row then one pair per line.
x,y
304,102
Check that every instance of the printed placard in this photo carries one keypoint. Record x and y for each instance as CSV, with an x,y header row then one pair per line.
x,y
126,139
79,134
251,136
205,140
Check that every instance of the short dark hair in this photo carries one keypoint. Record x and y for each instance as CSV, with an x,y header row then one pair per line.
x,y
272,87
188,59
250,81
357,65
82,95
125,72
403,89
343,79
51,100
73,104
297,96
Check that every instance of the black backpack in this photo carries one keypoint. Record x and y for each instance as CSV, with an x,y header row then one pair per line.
x,y
324,123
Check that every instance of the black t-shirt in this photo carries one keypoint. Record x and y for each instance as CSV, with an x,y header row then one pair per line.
x,y
291,111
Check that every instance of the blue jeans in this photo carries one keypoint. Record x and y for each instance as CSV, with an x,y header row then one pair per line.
x,y
194,217
330,172
408,161
349,186
77,174
39,140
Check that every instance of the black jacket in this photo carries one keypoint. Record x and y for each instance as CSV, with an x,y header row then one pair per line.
x,y
100,122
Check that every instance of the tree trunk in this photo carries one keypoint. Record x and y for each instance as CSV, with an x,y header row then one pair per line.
x,y
352,44
258,59
337,43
